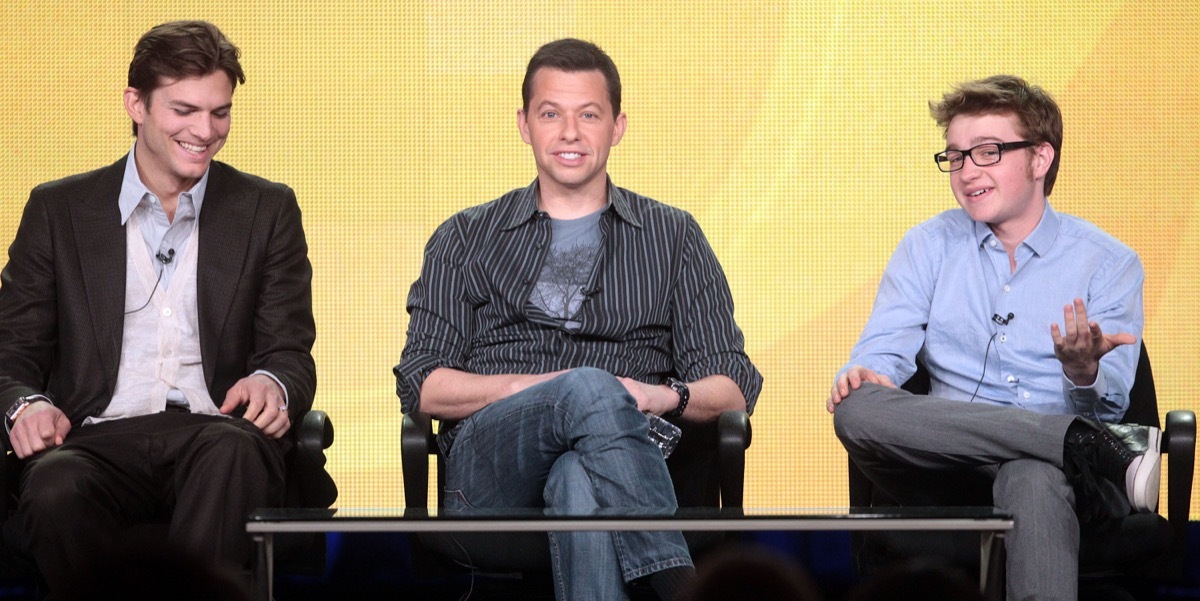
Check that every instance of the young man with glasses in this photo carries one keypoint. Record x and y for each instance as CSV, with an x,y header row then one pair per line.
x,y
1021,405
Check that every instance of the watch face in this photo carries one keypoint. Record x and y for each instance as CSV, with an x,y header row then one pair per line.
x,y
680,388
21,402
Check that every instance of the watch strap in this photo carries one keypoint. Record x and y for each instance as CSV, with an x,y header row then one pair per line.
x,y
19,406
681,388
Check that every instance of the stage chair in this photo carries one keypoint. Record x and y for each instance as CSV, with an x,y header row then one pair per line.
x,y
1138,547
707,469
308,485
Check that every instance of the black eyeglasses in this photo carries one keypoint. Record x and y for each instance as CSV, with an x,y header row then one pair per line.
x,y
982,155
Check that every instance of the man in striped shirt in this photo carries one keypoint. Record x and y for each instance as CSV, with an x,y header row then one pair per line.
x,y
547,322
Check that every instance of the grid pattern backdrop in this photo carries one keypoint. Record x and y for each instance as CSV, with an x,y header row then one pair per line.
x,y
796,132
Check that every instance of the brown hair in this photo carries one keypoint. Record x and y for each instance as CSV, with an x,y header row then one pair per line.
x,y
572,56
181,49
1038,116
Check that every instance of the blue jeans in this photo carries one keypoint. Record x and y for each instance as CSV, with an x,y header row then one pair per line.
x,y
572,444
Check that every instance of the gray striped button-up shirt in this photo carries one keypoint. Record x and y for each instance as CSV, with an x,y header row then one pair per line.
x,y
657,303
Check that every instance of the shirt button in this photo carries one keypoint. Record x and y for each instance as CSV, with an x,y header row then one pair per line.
x,y
527,281
1003,338
993,243
1011,379
1006,288
1026,395
167,312
1087,413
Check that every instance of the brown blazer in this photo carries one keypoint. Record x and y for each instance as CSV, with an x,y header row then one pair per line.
x,y
62,294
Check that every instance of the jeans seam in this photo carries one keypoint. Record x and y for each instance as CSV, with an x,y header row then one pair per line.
x,y
658,566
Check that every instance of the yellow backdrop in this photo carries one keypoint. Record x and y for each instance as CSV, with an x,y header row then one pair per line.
x,y
797,133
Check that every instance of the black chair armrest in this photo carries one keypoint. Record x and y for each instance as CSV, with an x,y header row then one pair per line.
x,y
314,435
308,483
1179,442
417,443
733,438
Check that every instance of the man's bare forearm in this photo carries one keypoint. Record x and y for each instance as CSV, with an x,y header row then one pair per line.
x,y
453,394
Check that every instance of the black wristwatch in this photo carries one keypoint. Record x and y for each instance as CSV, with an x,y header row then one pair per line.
x,y
681,389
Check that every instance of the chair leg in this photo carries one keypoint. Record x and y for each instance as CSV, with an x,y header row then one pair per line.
x,y
991,565
264,567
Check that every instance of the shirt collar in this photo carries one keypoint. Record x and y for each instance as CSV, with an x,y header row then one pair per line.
x,y
1039,240
526,205
133,190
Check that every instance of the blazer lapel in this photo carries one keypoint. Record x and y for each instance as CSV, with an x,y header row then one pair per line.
x,y
101,245
226,220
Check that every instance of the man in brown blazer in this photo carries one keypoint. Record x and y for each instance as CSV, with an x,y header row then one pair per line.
x,y
156,327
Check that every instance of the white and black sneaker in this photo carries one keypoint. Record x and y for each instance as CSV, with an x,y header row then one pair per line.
x,y
1127,455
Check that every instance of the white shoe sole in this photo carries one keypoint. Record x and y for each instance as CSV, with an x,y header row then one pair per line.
x,y
1142,476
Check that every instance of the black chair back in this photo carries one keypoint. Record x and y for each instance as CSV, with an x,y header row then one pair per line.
x,y
1144,543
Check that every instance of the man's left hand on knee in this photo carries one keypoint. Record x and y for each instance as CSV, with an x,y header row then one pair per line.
x,y
264,402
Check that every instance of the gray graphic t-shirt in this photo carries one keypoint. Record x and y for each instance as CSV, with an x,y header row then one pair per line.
x,y
559,292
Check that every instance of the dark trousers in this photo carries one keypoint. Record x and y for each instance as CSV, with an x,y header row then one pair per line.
x,y
201,475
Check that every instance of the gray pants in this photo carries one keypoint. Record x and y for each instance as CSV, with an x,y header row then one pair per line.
x,y
907,444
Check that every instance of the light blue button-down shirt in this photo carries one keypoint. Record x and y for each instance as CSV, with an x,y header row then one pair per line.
x,y
950,276
168,238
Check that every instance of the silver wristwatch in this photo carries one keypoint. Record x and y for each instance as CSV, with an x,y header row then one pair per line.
x,y
17,407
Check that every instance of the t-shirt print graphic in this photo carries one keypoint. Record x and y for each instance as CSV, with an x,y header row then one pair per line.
x,y
559,290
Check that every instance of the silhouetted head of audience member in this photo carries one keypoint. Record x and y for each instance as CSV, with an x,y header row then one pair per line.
x,y
918,580
749,573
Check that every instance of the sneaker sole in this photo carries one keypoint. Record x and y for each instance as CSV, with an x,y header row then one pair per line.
x,y
1142,483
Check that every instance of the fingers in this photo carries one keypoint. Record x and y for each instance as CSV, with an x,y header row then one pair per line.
x,y
256,405
281,429
271,413
1096,335
877,378
248,391
233,399
264,402
274,423
1070,333
841,388
641,393
1119,339
853,379
1056,335
1077,328
1079,336
1076,334
268,406
20,444
885,381
1081,318
857,375
41,428
845,383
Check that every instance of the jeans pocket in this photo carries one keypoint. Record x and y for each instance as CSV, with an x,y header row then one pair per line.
x,y
455,500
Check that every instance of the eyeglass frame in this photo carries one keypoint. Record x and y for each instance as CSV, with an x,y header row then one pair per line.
x,y
970,152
